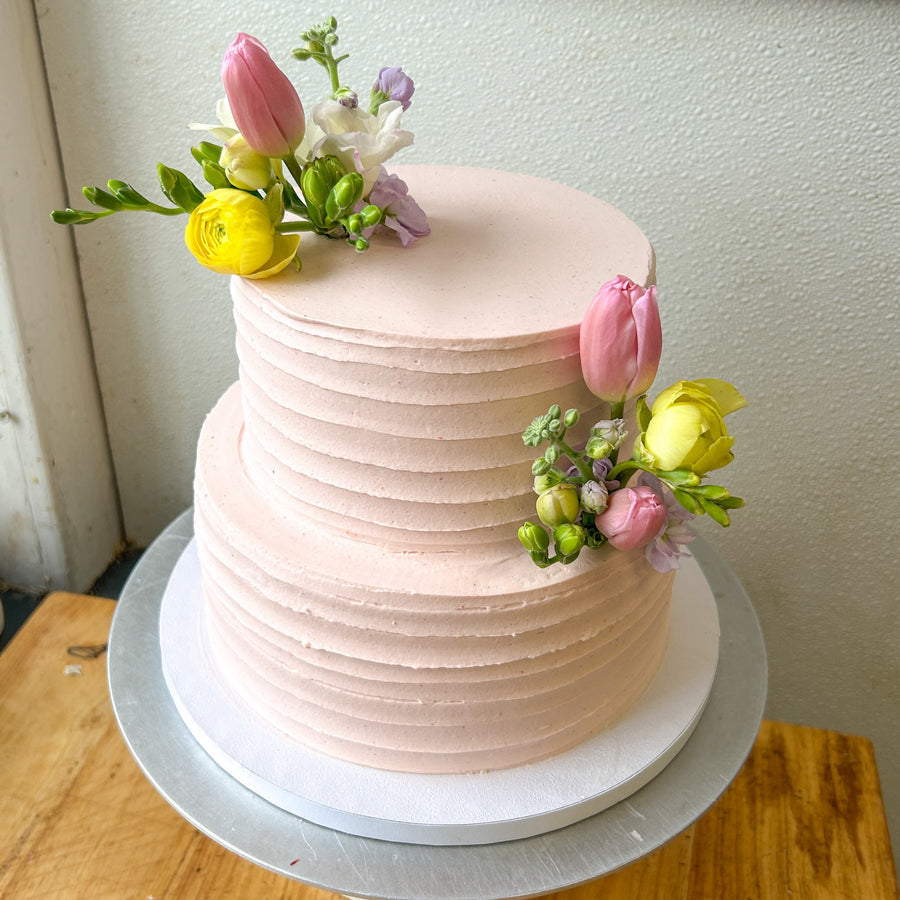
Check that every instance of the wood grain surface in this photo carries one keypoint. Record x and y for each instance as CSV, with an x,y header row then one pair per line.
x,y
804,819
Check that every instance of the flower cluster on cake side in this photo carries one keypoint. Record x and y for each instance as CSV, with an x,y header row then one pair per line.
x,y
275,174
586,496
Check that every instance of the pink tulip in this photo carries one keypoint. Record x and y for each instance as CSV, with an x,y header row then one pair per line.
x,y
633,517
264,103
621,340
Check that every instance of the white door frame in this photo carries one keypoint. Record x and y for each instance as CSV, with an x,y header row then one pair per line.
x,y
60,523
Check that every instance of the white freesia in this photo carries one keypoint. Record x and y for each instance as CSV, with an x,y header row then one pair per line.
x,y
360,140
223,132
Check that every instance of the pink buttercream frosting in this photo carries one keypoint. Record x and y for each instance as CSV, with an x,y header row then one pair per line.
x,y
359,489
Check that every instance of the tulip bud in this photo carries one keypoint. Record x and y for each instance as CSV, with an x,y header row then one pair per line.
x,y
569,539
621,340
244,167
633,517
533,538
264,103
559,505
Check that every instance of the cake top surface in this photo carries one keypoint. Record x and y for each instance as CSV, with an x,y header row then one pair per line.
x,y
508,255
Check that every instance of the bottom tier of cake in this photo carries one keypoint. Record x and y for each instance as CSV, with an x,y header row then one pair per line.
x,y
415,661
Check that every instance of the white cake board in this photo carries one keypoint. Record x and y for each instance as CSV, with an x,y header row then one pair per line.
x,y
441,809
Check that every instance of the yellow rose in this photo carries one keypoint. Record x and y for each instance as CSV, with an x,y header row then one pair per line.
x,y
231,233
687,426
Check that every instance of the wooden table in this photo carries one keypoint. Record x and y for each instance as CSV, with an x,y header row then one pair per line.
x,y
804,818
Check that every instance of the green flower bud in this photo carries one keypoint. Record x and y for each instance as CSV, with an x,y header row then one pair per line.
x,y
711,492
533,538
554,412
680,477
569,539
559,505
549,479
597,448
540,466
371,215
552,454
571,417
317,182
354,224
344,195
606,436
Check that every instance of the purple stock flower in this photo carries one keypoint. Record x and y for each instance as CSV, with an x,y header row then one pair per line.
x,y
602,468
393,84
665,550
401,213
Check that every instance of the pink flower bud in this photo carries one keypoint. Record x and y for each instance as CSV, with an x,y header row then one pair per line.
x,y
633,517
264,103
621,340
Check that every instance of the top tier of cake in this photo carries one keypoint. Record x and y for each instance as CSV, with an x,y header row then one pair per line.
x,y
511,259
384,394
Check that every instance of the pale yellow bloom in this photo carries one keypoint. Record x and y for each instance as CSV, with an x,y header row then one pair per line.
x,y
687,428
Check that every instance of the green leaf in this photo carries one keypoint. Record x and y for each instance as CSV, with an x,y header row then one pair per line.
x,y
275,203
643,413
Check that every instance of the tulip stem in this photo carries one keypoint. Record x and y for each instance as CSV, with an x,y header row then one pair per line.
x,y
294,167
616,411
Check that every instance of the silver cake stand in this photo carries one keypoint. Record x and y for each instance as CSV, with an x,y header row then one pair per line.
x,y
244,823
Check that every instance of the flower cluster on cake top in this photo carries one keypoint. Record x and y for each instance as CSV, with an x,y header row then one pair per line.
x,y
275,174
587,497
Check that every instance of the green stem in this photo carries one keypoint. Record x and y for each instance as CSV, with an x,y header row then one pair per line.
x,y
294,167
586,471
285,227
616,411
628,464
162,210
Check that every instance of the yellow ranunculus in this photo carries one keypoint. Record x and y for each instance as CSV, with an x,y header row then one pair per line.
x,y
687,427
231,233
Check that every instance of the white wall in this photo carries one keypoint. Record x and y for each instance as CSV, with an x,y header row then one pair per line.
x,y
59,515
756,143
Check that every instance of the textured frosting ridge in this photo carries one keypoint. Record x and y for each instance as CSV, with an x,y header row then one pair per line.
x,y
358,490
